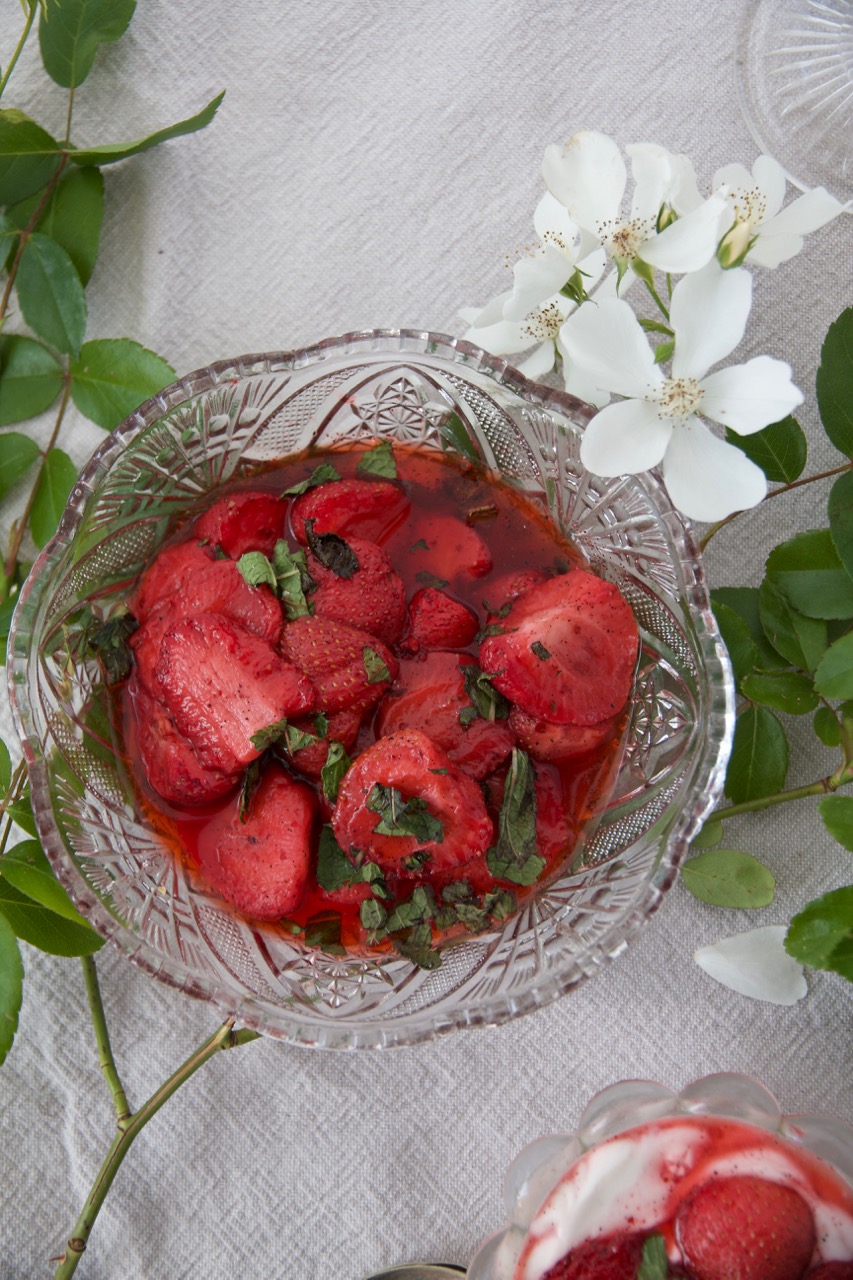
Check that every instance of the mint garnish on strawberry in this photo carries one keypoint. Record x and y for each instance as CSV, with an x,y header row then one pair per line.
x,y
320,475
514,856
401,817
654,1264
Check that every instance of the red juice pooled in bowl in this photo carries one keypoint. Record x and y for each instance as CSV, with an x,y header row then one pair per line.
x,y
375,698
698,1197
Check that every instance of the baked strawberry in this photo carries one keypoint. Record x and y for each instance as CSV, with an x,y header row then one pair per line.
x,y
567,652
615,1257
260,861
503,590
243,522
404,794
430,695
349,669
352,508
372,599
745,1228
545,741
437,621
447,548
171,766
222,685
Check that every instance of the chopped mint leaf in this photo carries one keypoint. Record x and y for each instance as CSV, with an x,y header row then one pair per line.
x,y
474,917
416,945
378,462
487,702
334,869
500,612
250,785
514,856
256,570
445,918
320,475
493,629
428,579
371,873
109,642
332,552
420,545
297,739
219,553
324,931
293,580
500,903
458,891
439,771
413,911
373,915
289,926
267,737
400,817
487,512
374,667
467,715
541,652
417,860
332,772
321,724
654,1264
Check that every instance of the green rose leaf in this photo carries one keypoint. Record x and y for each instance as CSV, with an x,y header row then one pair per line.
x,y
711,834
834,380
826,727
834,675
112,376
729,878
837,815
821,935
780,449
56,481
28,156
736,636
50,294
744,601
30,379
5,768
17,455
808,570
759,759
782,690
72,217
841,518
43,928
28,870
799,639
11,986
121,150
21,813
72,31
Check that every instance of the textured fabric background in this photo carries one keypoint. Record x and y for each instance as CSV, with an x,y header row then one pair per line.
x,y
373,164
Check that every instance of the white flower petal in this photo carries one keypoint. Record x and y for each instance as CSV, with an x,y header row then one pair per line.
x,y
769,177
755,964
748,397
578,383
652,169
489,314
551,217
625,438
587,175
605,339
734,177
684,193
770,250
500,339
811,211
535,281
539,362
706,477
709,312
690,242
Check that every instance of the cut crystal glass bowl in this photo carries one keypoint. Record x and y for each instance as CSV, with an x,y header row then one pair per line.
x,y
159,468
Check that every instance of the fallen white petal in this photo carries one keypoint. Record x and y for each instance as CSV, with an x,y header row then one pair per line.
x,y
755,964
709,312
625,438
605,339
691,242
706,477
748,397
587,175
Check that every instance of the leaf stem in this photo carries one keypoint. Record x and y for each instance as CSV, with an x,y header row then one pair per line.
x,y
21,525
102,1036
823,787
775,493
225,1038
20,45
658,299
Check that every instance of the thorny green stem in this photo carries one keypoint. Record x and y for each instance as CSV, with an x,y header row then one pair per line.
x,y
775,493
823,787
20,45
225,1038
102,1036
20,526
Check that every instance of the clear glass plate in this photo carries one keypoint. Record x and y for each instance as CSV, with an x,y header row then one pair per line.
x,y
160,467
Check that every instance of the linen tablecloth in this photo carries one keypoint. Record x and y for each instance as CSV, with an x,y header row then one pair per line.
x,y
373,164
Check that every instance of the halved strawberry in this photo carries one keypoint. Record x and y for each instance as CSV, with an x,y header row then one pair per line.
x,y
405,783
437,621
447,548
567,652
349,669
503,590
171,766
243,522
614,1257
373,599
260,862
745,1227
545,741
429,694
222,685
352,508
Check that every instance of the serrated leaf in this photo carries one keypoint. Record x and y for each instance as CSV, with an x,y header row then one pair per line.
x,y
21,813
729,878
743,651
112,376
834,380
43,928
780,450
256,570
30,379
808,570
72,31
50,294
821,935
744,601
11,986
837,815
834,675
514,855
840,508
334,868
28,156
72,217
56,481
26,868
17,455
759,761
799,639
786,691
122,150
